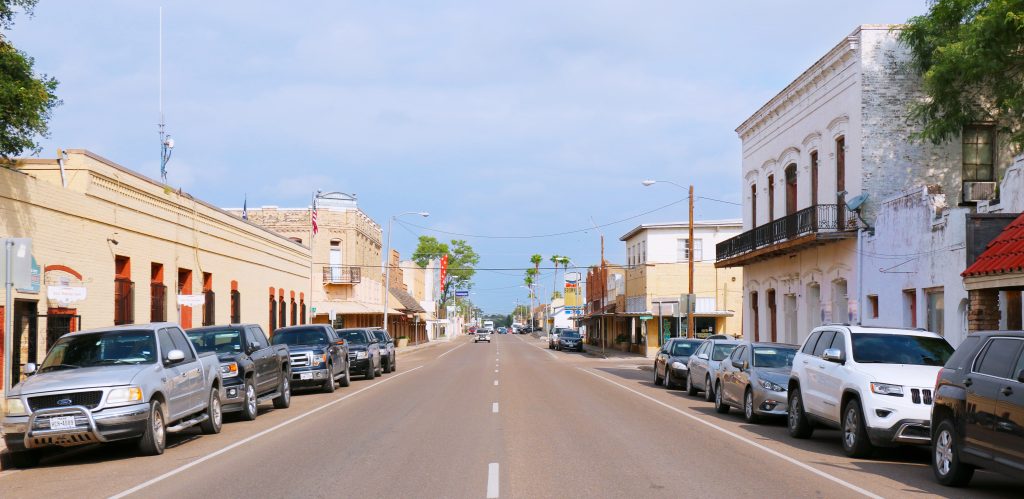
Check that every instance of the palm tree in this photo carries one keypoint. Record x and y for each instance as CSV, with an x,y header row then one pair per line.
x,y
555,259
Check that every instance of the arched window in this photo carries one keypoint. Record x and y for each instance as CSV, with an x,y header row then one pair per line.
x,y
294,312
791,189
753,206
841,181
814,178
282,310
754,319
273,312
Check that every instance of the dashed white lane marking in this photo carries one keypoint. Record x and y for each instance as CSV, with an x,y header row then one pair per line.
x,y
495,370
492,481
244,441
494,407
741,438
495,382
452,350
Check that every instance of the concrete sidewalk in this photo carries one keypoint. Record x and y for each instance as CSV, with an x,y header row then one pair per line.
x,y
611,353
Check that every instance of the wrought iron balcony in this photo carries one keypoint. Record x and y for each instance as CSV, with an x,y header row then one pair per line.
x,y
809,225
342,274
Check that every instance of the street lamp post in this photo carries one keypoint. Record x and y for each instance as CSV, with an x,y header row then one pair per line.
x,y
689,244
387,263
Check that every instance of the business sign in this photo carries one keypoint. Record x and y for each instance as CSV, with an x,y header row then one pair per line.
x,y
461,293
20,250
191,300
35,277
66,294
573,277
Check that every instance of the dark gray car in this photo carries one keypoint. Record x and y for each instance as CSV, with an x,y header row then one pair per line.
x,y
670,363
388,356
754,378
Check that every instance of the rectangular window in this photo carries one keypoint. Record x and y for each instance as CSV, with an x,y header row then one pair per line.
x,y
978,153
698,252
814,178
771,197
157,293
124,291
936,310
682,250
209,300
910,308
873,306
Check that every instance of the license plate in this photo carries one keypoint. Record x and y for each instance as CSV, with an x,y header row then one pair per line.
x,y
62,423
306,376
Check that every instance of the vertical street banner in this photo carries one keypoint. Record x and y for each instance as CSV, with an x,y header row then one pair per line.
x,y
444,271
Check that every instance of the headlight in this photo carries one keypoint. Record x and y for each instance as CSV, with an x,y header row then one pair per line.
x,y
887,389
680,366
768,385
124,395
229,370
361,354
14,407
318,359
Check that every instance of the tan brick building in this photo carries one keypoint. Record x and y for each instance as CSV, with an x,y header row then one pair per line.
x,y
113,246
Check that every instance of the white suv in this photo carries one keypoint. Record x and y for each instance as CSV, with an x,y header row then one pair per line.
x,y
875,384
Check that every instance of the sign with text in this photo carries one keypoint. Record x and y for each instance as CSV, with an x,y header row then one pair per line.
x,y
461,293
191,300
66,294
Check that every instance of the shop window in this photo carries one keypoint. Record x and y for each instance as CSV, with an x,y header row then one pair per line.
x,y
936,310
124,292
157,293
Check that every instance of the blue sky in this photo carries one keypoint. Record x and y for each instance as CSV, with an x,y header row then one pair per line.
x,y
509,119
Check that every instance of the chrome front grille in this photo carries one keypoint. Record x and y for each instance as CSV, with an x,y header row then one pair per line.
x,y
301,360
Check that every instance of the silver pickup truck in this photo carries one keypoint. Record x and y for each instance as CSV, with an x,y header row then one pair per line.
x,y
137,382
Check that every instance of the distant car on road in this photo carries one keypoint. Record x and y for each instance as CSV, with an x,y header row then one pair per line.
x,y
482,335
319,356
570,339
253,370
388,355
670,363
754,378
704,363
978,416
502,330
363,351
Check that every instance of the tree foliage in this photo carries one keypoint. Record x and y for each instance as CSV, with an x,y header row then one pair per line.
x,y
26,99
462,260
970,55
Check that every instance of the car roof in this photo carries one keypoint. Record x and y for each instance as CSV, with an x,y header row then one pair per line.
x,y
987,334
902,331
152,326
771,344
209,328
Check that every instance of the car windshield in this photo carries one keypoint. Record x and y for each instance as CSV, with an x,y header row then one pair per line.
x,y
722,351
773,357
380,336
216,340
308,336
98,349
684,348
353,337
873,348
569,334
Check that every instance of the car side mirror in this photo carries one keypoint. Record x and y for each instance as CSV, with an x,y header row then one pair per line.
x,y
703,356
833,355
745,366
30,368
1020,376
175,356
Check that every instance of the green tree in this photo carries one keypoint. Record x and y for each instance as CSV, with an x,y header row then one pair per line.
x,y
462,260
428,249
26,99
969,55
555,259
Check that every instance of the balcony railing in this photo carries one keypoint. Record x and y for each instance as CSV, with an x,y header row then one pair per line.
x,y
342,274
821,218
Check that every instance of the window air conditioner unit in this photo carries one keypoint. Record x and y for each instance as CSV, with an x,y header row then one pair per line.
x,y
979,191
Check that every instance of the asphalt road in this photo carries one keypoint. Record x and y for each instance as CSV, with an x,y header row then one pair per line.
x,y
506,419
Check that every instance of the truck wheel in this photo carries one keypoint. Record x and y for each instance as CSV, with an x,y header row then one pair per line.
x,y
799,426
249,401
154,439
284,400
329,384
345,380
855,433
371,372
946,457
215,417
380,368
24,459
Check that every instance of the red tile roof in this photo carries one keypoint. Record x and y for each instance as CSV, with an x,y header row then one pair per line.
x,y
1004,254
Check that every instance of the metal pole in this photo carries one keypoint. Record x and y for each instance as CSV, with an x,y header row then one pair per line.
x,y
8,315
387,272
309,306
689,316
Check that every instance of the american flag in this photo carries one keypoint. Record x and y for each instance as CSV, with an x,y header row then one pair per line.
x,y
312,217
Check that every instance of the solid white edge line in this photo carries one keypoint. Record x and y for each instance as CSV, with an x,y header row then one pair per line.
x,y
741,438
492,481
253,437
494,407
452,350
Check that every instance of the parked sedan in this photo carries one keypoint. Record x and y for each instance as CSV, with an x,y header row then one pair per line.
x,y
670,364
570,339
754,378
704,363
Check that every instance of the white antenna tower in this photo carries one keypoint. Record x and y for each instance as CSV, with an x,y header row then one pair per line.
x,y
166,142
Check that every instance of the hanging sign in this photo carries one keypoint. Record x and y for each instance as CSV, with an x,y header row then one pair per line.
x,y
191,300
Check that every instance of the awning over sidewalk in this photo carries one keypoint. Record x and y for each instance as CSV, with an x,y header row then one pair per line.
x,y
350,308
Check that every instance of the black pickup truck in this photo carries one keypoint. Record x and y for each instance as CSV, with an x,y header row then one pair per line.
x,y
319,356
978,411
253,370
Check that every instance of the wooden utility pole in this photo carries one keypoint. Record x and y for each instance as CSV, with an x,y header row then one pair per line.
x,y
689,316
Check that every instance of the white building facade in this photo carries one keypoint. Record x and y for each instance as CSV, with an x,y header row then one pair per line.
x,y
846,218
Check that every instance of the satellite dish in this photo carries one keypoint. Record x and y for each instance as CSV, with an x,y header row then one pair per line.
x,y
855,203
